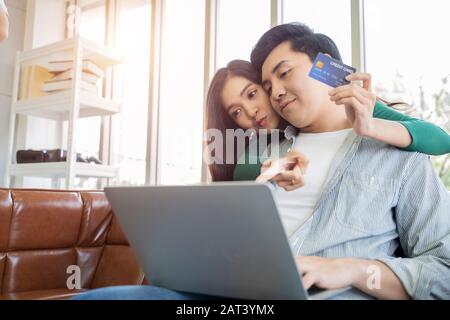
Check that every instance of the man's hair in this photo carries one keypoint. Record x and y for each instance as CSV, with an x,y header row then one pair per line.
x,y
302,39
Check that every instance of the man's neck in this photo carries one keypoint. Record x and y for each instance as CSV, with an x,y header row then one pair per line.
x,y
332,118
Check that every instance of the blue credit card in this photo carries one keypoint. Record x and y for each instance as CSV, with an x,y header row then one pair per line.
x,y
330,71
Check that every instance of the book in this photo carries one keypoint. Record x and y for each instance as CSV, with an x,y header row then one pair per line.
x,y
59,85
32,77
68,75
88,66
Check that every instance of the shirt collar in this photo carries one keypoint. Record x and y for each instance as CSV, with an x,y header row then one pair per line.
x,y
290,132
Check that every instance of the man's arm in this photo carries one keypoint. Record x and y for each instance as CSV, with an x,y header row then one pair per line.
x,y
378,280
4,25
423,222
369,276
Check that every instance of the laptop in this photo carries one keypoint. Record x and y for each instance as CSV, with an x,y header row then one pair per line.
x,y
220,239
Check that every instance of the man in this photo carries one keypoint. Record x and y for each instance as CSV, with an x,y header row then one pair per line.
x,y
364,201
3,21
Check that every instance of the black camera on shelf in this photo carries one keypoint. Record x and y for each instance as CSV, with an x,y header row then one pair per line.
x,y
54,155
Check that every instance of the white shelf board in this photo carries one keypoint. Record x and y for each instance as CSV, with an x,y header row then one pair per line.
x,y
102,56
58,169
64,50
57,106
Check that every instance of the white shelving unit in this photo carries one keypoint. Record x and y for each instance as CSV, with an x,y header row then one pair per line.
x,y
65,106
58,106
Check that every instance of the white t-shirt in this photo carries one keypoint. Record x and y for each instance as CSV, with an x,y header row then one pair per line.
x,y
297,206
3,6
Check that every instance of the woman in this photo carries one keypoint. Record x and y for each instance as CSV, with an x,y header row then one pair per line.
x,y
3,21
237,100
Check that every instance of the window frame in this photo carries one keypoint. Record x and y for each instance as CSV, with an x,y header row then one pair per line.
x,y
153,150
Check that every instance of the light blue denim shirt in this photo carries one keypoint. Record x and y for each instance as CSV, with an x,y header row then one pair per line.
x,y
377,199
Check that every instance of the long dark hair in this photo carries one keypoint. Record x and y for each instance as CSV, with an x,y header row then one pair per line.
x,y
216,116
396,105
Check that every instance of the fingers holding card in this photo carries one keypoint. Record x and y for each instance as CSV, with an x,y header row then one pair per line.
x,y
287,172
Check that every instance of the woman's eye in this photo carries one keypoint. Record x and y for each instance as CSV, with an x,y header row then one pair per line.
x,y
236,113
252,94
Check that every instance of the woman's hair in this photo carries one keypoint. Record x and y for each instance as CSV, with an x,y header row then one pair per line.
x,y
216,116
394,104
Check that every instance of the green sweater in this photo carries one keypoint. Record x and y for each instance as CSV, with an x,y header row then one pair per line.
x,y
426,138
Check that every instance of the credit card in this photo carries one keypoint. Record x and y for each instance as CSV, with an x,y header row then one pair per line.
x,y
330,71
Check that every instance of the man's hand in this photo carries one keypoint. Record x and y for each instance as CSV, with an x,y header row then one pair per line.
x,y
287,172
335,273
359,102
326,273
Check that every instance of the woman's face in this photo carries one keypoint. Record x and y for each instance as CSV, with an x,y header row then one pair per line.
x,y
248,104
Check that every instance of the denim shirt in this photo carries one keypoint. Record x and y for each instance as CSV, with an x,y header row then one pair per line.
x,y
376,200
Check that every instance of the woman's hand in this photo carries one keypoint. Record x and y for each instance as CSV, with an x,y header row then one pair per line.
x,y
359,102
287,172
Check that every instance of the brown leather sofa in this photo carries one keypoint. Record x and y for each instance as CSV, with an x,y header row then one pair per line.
x,y
43,232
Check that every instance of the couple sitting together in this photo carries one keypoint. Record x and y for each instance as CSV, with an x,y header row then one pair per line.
x,y
356,189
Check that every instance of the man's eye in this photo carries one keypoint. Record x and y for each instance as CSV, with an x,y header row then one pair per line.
x,y
282,75
252,94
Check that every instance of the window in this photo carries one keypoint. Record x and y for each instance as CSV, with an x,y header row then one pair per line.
x,y
181,97
240,24
129,136
332,18
406,56
93,20
403,53
92,26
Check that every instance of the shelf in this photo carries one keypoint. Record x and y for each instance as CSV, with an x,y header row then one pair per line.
x,y
28,99
59,169
57,106
64,50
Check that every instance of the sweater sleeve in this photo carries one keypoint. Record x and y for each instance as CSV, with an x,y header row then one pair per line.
x,y
248,166
426,137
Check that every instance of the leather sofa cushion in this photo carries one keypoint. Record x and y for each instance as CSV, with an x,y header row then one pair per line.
x,y
43,232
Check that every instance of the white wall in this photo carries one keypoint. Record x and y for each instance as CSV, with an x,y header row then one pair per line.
x,y
45,22
8,49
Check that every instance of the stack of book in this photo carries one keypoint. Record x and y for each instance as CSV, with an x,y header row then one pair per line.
x,y
63,75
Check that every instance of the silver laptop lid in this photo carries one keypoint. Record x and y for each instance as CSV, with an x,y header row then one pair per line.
x,y
223,239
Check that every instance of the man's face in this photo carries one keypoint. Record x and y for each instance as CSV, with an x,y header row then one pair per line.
x,y
293,94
